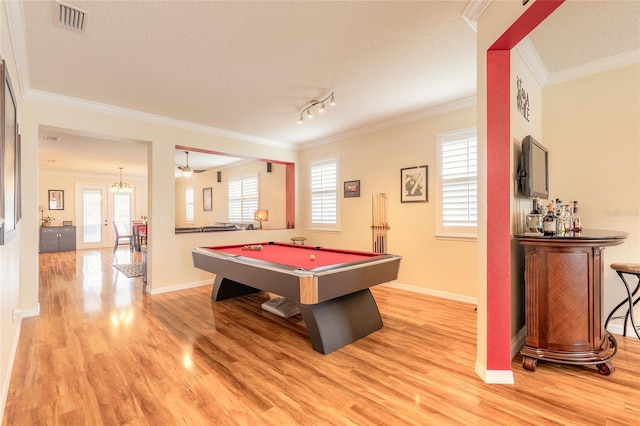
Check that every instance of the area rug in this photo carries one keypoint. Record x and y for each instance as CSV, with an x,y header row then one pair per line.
x,y
130,270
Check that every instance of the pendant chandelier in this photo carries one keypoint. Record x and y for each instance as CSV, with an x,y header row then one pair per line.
x,y
120,186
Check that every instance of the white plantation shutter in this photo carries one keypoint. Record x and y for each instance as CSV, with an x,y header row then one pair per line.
x,y
324,193
243,198
190,204
458,155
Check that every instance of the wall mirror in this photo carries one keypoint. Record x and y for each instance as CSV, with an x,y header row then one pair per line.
x,y
215,191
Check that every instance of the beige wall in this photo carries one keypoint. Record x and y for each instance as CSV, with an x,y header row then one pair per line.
x,y
441,267
11,251
592,131
521,127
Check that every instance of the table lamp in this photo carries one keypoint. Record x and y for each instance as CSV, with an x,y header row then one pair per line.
x,y
261,215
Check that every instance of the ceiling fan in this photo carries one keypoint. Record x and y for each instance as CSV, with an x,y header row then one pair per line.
x,y
186,170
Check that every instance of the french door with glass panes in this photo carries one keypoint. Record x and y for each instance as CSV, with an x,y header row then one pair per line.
x,y
97,210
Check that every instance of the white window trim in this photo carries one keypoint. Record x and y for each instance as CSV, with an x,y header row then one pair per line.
x,y
328,227
186,204
457,233
242,199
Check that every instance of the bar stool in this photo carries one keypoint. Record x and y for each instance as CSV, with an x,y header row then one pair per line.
x,y
629,269
300,240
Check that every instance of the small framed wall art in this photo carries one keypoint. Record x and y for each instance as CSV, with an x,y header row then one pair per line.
x,y
414,184
56,199
351,188
206,199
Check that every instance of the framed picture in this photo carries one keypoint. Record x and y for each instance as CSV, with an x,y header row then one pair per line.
x,y
9,151
414,183
206,199
56,199
351,188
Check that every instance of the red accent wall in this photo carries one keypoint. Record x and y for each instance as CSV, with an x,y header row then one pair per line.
x,y
290,179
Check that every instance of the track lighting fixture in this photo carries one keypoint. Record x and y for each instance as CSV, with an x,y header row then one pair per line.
x,y
332,101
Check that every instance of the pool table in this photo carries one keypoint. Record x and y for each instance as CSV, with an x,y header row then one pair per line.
x,y
330,286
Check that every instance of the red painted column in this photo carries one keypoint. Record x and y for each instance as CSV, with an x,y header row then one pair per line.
x,y
499,183
498,210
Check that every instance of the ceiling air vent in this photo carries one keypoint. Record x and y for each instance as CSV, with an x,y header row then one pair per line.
x,y
70,17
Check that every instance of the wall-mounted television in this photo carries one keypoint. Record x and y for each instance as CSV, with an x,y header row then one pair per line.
x,y
533,171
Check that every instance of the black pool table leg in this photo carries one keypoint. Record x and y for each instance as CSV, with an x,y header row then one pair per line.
x,y
338,322
224,288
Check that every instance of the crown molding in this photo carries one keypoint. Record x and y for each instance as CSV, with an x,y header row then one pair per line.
x,y
601,65
131,177
150,118
473,11
533,61
15,22
408,118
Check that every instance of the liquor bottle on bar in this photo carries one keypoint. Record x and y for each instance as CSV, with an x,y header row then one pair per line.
x,y
549,222
534,219
560,217
577,219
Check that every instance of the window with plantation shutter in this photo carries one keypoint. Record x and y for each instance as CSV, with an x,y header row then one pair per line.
x,y
324,194
458,183
243,198
190,204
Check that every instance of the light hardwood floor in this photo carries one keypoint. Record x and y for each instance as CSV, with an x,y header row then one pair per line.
x,y
102,352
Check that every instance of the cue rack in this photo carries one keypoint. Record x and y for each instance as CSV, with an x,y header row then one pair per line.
x,y
380,225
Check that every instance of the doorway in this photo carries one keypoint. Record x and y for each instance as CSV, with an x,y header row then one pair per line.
x,y
97,210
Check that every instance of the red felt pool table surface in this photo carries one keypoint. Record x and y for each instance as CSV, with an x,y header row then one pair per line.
x,y
296,255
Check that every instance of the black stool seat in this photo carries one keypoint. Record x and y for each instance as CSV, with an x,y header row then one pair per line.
x,y
629,269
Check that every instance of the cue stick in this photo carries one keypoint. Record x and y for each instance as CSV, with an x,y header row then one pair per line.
x,y
374,234
373,223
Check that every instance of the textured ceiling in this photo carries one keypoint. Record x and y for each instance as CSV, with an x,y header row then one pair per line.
x,y
582,32
249,67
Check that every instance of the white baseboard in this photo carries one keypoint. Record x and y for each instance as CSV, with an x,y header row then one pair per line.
x,y
497,377
12,357
31,312
619,330
503,377
178,287
435,293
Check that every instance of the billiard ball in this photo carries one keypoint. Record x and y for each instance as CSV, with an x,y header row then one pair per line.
x,y
312,257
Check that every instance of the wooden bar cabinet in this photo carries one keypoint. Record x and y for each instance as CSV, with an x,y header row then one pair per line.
x,y
564,299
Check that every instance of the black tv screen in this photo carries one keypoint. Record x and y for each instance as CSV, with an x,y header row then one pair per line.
x,y
534,169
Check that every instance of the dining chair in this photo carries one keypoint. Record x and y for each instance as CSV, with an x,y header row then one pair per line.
x,y
122,236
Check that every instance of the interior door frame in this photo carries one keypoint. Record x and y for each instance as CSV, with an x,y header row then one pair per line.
x,y
106,237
